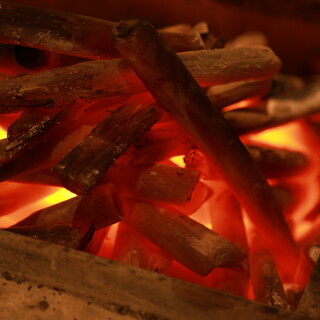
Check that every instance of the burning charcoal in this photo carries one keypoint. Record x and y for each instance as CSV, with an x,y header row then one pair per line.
x,y
66,236
224,95
98,209
132,248
278,163
182,98
154,182
276,111
266,282
70,33
82,168
102,80
186,240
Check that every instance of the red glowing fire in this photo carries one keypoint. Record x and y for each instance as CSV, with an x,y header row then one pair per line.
x,y
155,198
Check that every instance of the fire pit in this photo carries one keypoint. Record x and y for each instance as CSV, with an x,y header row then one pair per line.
x,y
197,165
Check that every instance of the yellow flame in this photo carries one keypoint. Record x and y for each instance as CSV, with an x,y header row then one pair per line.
x,y
286,136
3,133
178,160
58,196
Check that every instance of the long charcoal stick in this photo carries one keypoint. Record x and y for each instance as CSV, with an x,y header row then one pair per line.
x,y
83,167
71,33
177,92
100,80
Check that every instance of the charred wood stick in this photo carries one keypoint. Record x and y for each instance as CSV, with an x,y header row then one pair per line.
x,y
102,80
186,240
276,111
224,95
176,91
66,236
299,9
70,33
310,301
82,168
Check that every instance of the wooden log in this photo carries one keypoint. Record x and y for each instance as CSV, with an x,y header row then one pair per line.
x,y
119,289
181,97
309,304
276,111
70,33
102,80
84,166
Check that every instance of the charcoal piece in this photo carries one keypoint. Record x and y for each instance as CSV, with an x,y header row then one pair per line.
x,y
82,168
66,236
186,240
